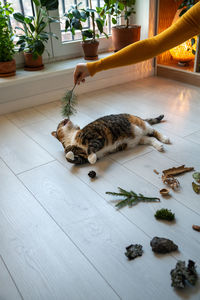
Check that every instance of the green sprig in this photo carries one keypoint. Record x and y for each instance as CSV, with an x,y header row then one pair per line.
x,y
131,198
69,102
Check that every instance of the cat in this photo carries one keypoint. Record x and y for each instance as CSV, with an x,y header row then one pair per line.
x,y
107,135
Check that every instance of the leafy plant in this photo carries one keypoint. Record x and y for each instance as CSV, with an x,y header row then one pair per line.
x,y
6,34
131,198
186,5
34,36
75,17
164,214
119,8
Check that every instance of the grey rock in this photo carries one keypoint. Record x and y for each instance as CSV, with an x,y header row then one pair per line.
x,y
133,251
162,245
182,274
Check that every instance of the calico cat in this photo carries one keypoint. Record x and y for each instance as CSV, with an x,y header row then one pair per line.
x,y
107,135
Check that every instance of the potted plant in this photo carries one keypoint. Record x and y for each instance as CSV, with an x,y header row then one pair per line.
x,y
34,36
75,17
7,63
122,35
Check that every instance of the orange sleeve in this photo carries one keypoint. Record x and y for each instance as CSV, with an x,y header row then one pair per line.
x,y
185,28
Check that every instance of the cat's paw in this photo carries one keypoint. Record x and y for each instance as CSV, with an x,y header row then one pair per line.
x,y
70,155
166,140
160,148
92,158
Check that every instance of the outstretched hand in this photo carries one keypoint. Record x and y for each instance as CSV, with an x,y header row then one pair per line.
x,y
80,73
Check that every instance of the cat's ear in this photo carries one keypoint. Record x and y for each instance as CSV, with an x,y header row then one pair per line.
x,y
70,155
92,158
54,134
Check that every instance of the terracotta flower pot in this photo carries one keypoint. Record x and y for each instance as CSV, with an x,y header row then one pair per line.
x,y
122,36
32,64
7,68
90,49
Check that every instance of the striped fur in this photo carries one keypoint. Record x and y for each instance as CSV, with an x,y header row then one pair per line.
x,y
106,135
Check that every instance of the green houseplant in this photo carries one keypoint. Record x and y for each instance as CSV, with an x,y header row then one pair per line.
x,y
7,63
122,35
75,17
33,36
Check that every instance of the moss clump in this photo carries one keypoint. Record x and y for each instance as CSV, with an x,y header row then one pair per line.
x,y
164,214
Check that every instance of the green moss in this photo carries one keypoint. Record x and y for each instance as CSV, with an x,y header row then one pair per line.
x,y
164,214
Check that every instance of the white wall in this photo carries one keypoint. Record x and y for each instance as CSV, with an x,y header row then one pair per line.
x,y
142,17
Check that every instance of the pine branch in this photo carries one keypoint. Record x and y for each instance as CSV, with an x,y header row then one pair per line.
x,y
131,198
69,102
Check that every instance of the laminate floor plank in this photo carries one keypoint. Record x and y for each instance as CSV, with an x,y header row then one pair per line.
x,y
43,261
8,290
61,235
25,117
102,232
18,151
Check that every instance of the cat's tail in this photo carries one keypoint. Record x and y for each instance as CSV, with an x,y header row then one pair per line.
x,y
155,120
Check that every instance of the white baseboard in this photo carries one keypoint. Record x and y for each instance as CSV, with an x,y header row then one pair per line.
x,y
28,90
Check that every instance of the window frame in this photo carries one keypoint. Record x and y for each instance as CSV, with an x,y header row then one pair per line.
x,y
59,50
71,49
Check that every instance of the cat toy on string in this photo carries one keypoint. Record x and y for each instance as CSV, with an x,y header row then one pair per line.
x,y
69,102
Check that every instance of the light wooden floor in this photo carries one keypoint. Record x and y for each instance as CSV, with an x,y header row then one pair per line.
x,y
61,236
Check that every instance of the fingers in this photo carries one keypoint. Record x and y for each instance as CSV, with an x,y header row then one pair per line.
x,y
81,78
80,72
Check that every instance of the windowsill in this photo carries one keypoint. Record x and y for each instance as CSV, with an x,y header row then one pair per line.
x,y
51,69
28,89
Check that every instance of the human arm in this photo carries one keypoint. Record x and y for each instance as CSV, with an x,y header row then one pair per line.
x,y
185,28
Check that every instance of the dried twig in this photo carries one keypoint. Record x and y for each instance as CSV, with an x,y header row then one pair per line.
x,y
177,171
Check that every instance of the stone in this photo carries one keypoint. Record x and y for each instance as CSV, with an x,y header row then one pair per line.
x,y
133,251
162,245
182,274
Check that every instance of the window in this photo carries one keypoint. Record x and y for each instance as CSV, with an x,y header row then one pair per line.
x,y
67,46
24,7
64,6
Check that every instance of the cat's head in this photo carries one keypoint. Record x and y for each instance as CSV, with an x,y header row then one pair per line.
x,y
65,132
